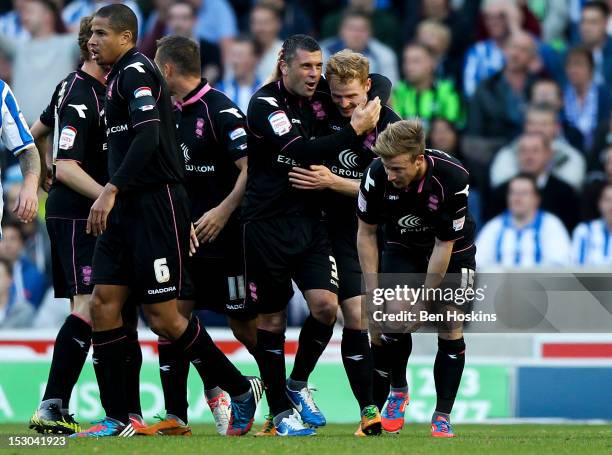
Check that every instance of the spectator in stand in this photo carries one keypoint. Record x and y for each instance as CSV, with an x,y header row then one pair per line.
x,y
156,19
591,241
385,26
553,16
594,185
295,19
76,9
437,38
593,35
216,23
586,103
504,19
460,22
485,58
498,107
355,33
568,163
419,94
265,28
11,22
241,82
181,18
535,158
15,313
49,52
524,235
28,283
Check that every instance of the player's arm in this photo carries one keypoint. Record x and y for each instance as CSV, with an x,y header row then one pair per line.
x,y
137,88
267,119
367,248
40,133
208,227
369,214
230,124
17,138
75,125
448,228
319,177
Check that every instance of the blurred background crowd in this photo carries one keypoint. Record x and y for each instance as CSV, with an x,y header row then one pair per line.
x,y
519,90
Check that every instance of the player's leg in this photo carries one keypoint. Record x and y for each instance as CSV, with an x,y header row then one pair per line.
x,y
317,277
392,346
133,361
268,246
173,373
450,358
71,254
191,340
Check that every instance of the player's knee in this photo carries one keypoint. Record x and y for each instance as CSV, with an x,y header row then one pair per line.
x,y
245,332
353,317
274,322
324,310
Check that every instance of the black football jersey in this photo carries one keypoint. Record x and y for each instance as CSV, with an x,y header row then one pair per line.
x,y
434,207
137,98
212,135
75,114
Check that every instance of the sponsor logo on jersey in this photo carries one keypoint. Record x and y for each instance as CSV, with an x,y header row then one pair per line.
x,y
138,66
116,129
433,202
458,223
410,221
286,160
348,159
185,150
279,122
142,91
201,169
235,134
161,290
67,137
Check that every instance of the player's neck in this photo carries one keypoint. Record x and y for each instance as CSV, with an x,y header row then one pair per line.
x,y
185,86
123,52
94,70
421,172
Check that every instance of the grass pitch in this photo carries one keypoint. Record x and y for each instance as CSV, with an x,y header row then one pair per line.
x,y
339,439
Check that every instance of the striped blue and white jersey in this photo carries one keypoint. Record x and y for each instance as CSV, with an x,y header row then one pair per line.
x,y
544,242
592,244
14,130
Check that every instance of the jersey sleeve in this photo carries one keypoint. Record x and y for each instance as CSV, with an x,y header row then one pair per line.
x,y
75,121
230,123
450,220
370,197
268,119
141,91
47,117
16,135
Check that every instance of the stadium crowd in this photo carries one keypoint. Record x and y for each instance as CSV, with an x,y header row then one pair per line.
x,y
517,89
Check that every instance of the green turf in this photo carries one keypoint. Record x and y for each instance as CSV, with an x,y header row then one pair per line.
x,y
339,439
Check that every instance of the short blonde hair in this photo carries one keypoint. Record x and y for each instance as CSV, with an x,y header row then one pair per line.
x,y
403,137
346,66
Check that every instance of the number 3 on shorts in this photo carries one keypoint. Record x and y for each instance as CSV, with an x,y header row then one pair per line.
x,y
162,272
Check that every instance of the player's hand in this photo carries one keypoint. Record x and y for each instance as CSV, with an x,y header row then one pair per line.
x,y
365,116
316,178
26,205
193,241
208,227
98,214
